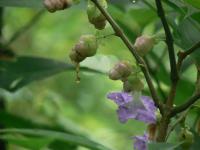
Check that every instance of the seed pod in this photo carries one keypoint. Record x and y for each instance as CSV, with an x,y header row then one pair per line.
x,y
187,137
54,5
86,47
133,83
95,17
120,71
144,44
76,57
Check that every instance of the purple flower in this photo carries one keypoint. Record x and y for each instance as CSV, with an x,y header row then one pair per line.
x,y
130,107
140,142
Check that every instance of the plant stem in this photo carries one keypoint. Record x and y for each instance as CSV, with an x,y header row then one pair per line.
x,y
164,123
140,61
169,40
163,128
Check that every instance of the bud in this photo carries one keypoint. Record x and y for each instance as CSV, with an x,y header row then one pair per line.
x,y
95,17
187,137
133,83
86,47
120,71
54,5
144,44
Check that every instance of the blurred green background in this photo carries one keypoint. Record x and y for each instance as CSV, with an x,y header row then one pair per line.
x,y
83,108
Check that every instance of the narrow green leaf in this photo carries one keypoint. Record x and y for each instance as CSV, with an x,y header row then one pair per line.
x,y
64,137
194,3
24,70
163,146
32,143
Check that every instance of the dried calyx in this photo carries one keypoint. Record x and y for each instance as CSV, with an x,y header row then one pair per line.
x,y
95,17
144,44
54,5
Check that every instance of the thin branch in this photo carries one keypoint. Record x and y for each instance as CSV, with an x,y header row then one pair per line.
x,y
171,51
183,55
26,27
140,61
186,105
169,40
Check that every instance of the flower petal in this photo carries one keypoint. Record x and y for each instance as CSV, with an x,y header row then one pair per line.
x,y
146,116
148,103
120,98
125,113
140,142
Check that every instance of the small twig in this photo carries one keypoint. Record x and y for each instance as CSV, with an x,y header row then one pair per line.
x,y
183,55
105,36
190,101
23,29
140,61
186,105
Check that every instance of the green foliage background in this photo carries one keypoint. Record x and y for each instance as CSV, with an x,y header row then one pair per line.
x,y
59,103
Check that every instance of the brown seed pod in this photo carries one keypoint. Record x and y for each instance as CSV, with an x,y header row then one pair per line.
x,y
54,5
144,44
120,71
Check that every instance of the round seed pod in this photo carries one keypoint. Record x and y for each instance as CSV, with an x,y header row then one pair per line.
x,y
95,17
86,47
120,71
76,57
54,5
114,74
144,44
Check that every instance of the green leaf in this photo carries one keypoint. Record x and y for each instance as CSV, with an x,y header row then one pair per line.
x,y
189,34
61,145
196,144
163,146
194,3
22,3
12,121
63,137
24,70
32,143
